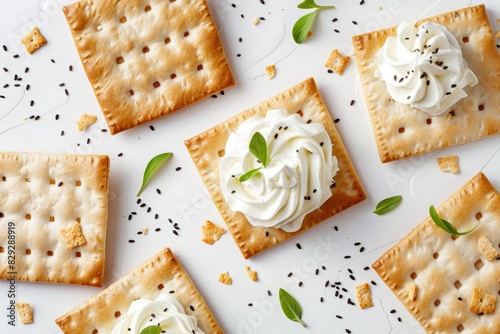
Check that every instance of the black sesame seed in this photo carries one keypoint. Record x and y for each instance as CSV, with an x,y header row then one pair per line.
x,y
134,213
53,61
344,289
392,311
17,85
330,71
120,154
131,241
233,191
191,308
335,228
399,319
453,86
347,257
269,293
357,243
62,133
299,246
336,30
2,97
339,317
70,68
348,331
352,277
156,216
337,293
66,92
26,70
56,117
321,299
214,96
362,249
300,284
148,210
138,201
171,292
233,5
448,93
62,84
317,271
88,141
6,85
15,56
238,55
362,2
242,16
5,69
104,130
152,128
289,274
267,233
129,217
460,298
276,136
175,232
4,48
349,270
262,18
170,220
354,22
158,191
60,184
373,283
323,267
157,229
250,304
28,87
31,117
32,103
143,205
139,232
262,2
240,39
352,102
327,283
335,19
366,268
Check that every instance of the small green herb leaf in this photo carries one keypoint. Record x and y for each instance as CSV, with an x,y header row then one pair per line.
x,y
248,175
151,168
291,307
302,27
387,205
445,225
258,147
151,330
308,4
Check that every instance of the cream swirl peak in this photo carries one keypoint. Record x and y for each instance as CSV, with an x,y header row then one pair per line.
x,y
165,311
296,180
423,67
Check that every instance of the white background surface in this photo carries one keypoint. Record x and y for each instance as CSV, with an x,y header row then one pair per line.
x,y
184,198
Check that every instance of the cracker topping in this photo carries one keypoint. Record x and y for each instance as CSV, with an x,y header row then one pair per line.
x,y
364,296
252,274
85,121
211,232
25,313
336,62
482,302
486,248
33,40
73,236
448,164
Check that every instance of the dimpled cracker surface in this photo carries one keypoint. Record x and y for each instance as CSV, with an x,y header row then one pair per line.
x,y
401,131
446,270
40,194
207,148
160,274
146,59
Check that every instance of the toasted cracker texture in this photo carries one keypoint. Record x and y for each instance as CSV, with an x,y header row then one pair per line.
x,y
33,40
85,121
447,269
25,313
211,232
42,194
162,273
73,236
448,164
336,62
224,278
482,302
364,296
401,131
147,60
207,148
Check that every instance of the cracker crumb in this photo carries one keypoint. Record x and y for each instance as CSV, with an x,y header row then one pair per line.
x,y
412,290
33,40
486,248
73,236
364,296
336,62
211,232
224,278
252,274
448,164
144,230
271,71
256,21
482,302
25,313
85,121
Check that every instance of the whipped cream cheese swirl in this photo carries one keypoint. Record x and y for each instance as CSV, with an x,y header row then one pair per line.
x,y
296,180
165,311
423,67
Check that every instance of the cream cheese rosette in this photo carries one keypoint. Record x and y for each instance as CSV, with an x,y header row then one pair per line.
x,y
165,311
423,67
296,179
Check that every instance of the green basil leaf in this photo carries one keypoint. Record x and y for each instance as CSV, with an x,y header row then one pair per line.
x,y
302,27
151,330
291,307
258,147
308,4
387,205
445,225
151,168
248,175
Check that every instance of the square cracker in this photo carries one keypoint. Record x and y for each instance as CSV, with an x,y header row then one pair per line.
x,y
25,313
207,148
162,273
40,194
445,268
33,40
147,60
471,118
